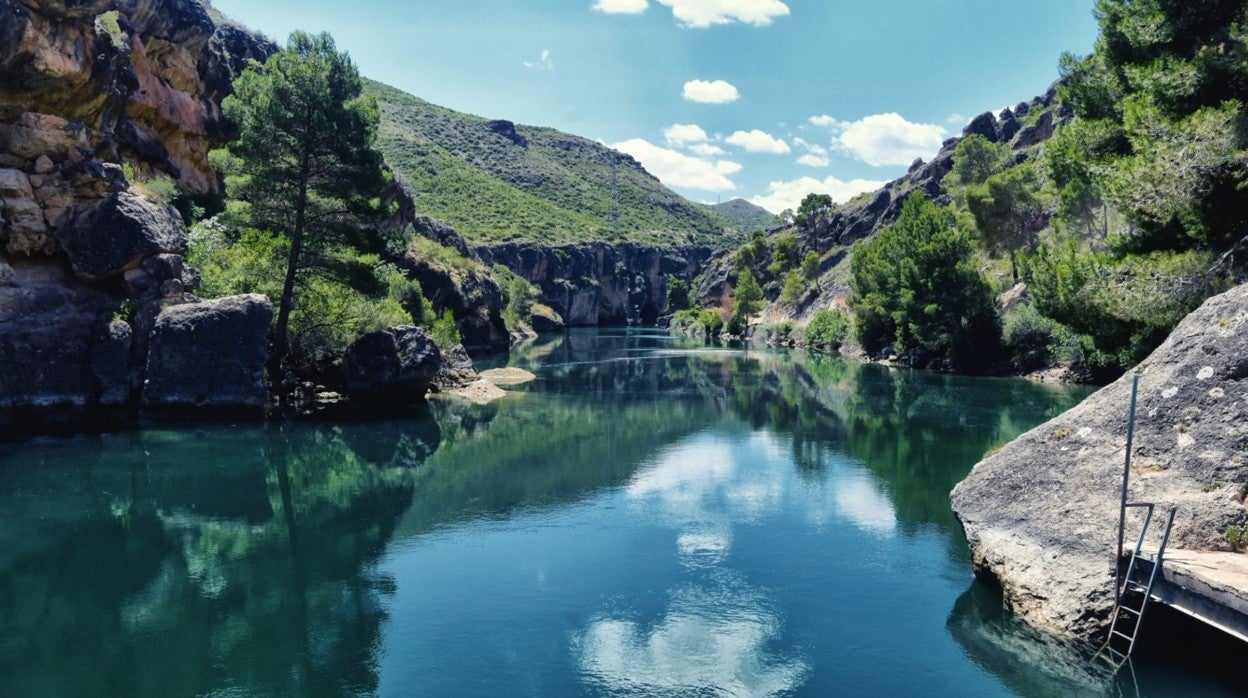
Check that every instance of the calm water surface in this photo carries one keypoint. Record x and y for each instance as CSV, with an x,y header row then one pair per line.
x,y
650,517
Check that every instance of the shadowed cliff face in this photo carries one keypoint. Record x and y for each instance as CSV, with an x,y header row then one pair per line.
x,y
600,283
88,264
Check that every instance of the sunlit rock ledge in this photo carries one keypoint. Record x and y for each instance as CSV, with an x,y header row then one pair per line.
x,y
1041,514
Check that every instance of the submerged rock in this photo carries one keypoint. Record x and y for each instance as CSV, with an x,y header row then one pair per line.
x,y
1041,515
394,362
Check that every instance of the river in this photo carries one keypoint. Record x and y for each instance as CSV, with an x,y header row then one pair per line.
x,y
651,516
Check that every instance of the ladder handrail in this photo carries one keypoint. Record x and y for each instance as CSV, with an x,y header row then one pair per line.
x,y
1107,650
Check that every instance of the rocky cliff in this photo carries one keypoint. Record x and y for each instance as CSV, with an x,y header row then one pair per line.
x,y
1041,515
600,283
91,274
830,232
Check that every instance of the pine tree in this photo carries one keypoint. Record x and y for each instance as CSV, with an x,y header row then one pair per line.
x,y
305,160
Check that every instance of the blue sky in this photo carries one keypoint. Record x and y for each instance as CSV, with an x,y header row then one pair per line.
x,y
765,100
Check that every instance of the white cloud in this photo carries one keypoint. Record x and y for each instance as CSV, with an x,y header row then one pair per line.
x,y
705,92
824,120
700,14
888,139
782,195
621,7
706,150
957,120
677,169
683,134
813,160
757,141
543,62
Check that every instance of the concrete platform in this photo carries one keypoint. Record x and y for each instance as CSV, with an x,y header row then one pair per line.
x,y
1209,586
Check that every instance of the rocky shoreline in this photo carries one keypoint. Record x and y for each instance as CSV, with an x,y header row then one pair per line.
x,y
1041,514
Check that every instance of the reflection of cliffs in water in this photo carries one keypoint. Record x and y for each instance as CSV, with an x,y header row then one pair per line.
x,y
604,406
918,432
1026,661
257,558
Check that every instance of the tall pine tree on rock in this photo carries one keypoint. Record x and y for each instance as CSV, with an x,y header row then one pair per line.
x,y
305,161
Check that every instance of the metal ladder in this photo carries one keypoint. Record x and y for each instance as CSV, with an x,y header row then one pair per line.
x,y
1128,618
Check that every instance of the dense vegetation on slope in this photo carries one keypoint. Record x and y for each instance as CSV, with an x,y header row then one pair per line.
x,y
495,181
741,214
1120,224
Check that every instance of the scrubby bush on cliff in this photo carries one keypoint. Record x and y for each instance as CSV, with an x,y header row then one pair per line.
x,y
828,328
331,313
916,287
810,266
784,255
677,295
518,295
705,323
793,289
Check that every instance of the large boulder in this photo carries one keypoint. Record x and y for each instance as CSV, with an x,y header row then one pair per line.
x,y
209,355
51,340
394,362
1041,514
119,233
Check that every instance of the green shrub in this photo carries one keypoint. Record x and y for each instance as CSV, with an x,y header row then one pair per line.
x,y
705,322
810,266
677,295
784,255
518,296
1029,337
359,296
827,328
794,288
1237,536
916,286
408,294
106,23
444,331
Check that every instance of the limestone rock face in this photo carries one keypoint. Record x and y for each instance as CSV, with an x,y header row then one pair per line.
x,y
50,327
399,362
456,370
209,355
87,266
599,283
472,297
119,233
840,227
545,319
1041,514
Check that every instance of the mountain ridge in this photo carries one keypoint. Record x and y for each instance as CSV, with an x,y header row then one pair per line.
x,y
496,181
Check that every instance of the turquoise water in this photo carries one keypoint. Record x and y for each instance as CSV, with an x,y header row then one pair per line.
x,y
649,517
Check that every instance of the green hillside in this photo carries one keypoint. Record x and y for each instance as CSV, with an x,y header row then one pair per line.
x,y
741,214
495,181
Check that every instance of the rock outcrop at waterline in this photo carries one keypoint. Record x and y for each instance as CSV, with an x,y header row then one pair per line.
x,y
96,311
599,283
1041,515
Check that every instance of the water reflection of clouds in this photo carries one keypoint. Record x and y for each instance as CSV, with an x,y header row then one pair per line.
x,y
712,639
710,482
714,636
